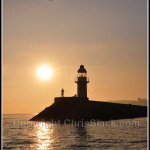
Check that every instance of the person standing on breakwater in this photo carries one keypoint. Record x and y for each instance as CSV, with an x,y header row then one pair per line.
x,y
62,92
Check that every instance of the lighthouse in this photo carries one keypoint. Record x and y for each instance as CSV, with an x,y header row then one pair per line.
x,y
82,81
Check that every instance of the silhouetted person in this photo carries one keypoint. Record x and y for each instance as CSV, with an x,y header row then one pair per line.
x,y
62,92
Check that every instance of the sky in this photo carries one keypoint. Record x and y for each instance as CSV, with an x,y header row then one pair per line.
x,y
109,37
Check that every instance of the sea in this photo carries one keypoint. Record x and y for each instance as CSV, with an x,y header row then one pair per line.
x,y
20,133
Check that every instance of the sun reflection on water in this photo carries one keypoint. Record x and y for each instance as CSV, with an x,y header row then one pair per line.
x,y
45,136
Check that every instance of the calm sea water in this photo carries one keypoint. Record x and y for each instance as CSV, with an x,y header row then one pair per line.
x,y
19,133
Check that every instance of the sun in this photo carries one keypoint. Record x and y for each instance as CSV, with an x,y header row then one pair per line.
x,y
45,72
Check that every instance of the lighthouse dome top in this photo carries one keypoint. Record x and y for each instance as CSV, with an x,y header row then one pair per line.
x,y
82,69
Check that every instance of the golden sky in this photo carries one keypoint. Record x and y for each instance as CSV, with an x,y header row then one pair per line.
x,y
108,36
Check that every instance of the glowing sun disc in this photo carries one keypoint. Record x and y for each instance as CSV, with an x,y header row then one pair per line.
x,y
45,72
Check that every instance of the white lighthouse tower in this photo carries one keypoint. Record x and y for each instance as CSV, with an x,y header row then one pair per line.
x,y
82,81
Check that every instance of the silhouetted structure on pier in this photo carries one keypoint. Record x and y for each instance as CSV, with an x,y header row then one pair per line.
x,y
81,108
82,81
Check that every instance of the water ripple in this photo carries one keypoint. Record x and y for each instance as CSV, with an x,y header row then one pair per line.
x,y
69,137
